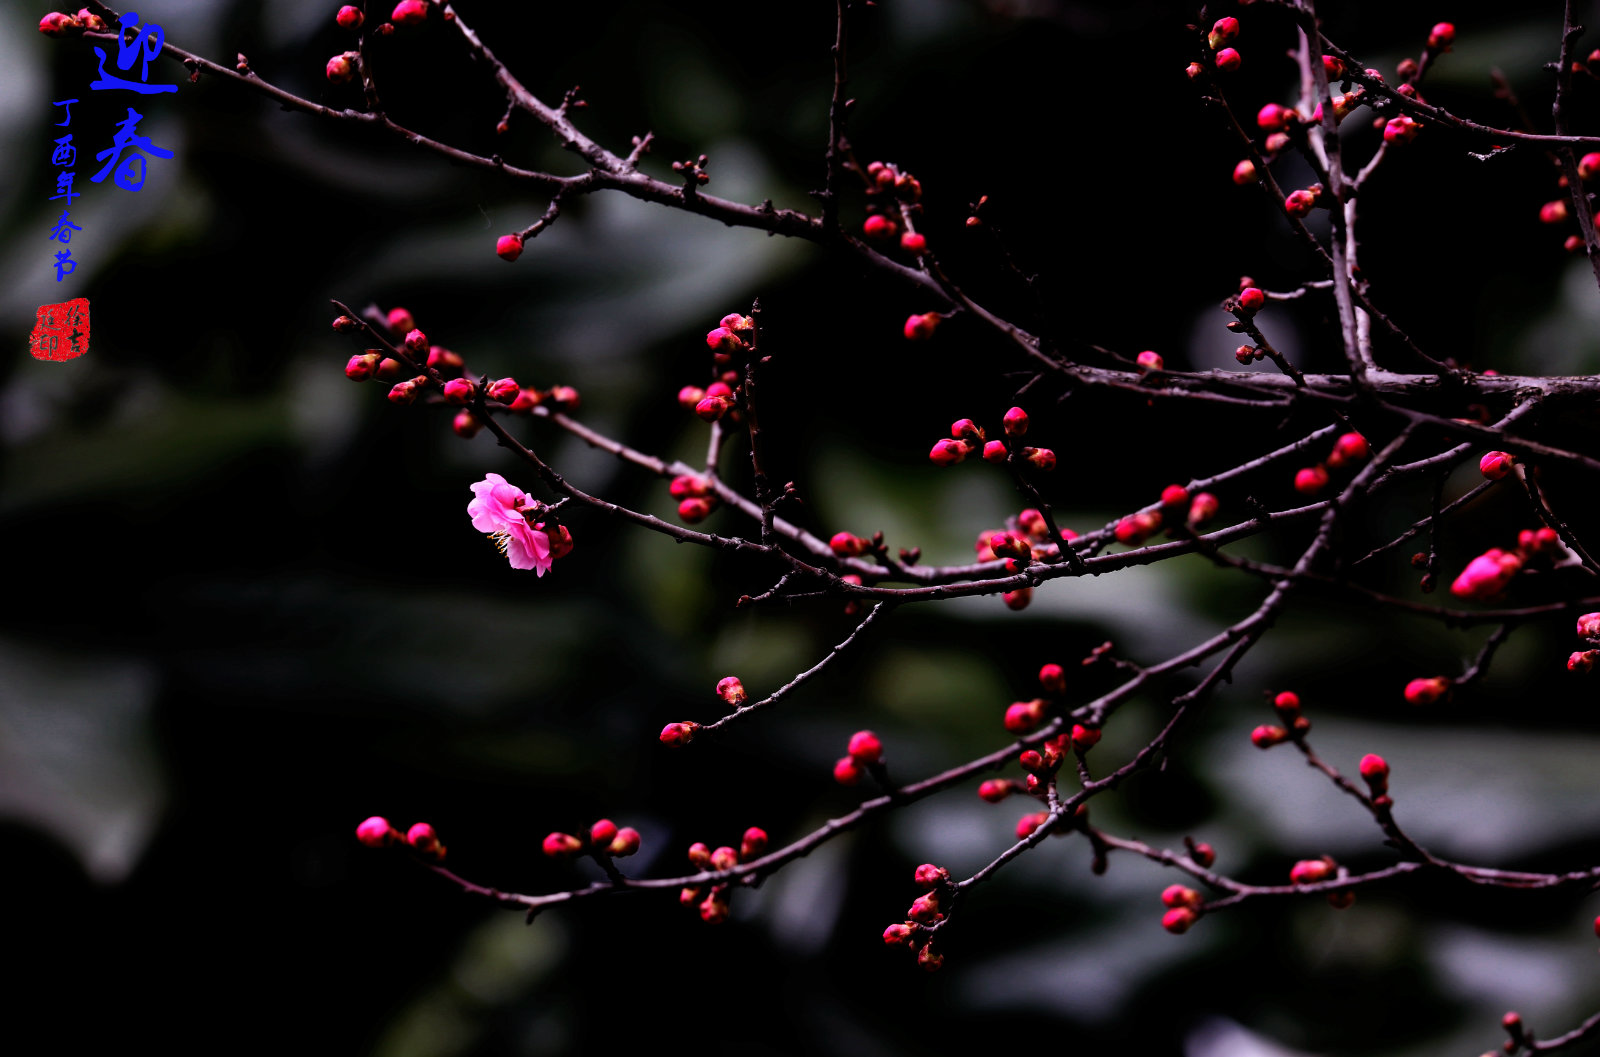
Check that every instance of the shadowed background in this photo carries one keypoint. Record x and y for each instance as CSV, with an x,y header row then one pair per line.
x,y
260,613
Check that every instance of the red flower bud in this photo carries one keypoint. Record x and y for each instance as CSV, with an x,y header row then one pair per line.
x,y
1266,736
1136,528
847,546
1018,599
1027,824
443,359
1287,703
847,770
1251,299
1180,896
880,227
713,407
947,452
625,843
928,960
1228,59
1084,738
1225,30
995,790
375,832
1203,854
1310,871
466,424
1150,361
1442,36
508,247
1274,118
1427,691
459,391
562,845
1496,464
1174,495
1554,212
1401,129
1179,920
1299,203
409,12
1040,458
1375,770
714,911
995,451
349,17
1582,662
899,935
731,690
400,321
404,393
1245,173
602,833
921,327
1487,575
1053,678
676,734
504,391
1016,422
914,243
696,509
925,909
422,837
362,367
752,844
931,876
1203,509
1589,626
341,69
865,748
1310,480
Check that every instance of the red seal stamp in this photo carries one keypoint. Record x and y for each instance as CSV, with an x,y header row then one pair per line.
x,y
61,332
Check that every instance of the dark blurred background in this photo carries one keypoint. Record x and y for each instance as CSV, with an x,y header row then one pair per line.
x,y
248,609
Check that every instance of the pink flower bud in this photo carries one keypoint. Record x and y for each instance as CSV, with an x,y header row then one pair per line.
x,y
1225,30
1016,422
403,393
1027,824
400,321
602,833
898,935
362,367
865,748
1245,173
1274,118
409,13
714,911
1554,212
466,424
712,408
846,545
1084,738
1266,736
1496,465
341,69
1023,717
1349,448
349,17
562,845
995,790
1588,165
1287,704
699,856
1487,575
57,24
1299,203
1442,36
1203,854
1251,299
422,837
443,359
731,690
724,858
1136,528
1333,67
995,451
931,876
947,452
676,734
1018,600
1375,770
459,391
914,243
624,844
723,340
1589,626
752,844
1228,59
696,509
879,227
1180,896
1401,129
1150,361
689,396
375,832
1174,495
738,323
1310,480
1040,458
1310,871
1053,678
1427,691
928,960
1203,509
508,247
846,770
1179,920
1582,662
921,327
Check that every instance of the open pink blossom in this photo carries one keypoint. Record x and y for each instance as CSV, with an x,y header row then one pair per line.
x,y
497,510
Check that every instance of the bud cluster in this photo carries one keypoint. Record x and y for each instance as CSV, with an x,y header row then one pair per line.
x,y
376,832
605,840
733,336
712,900
1348,451
967,437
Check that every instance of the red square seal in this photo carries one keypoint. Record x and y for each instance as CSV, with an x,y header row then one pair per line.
x,y
61,332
